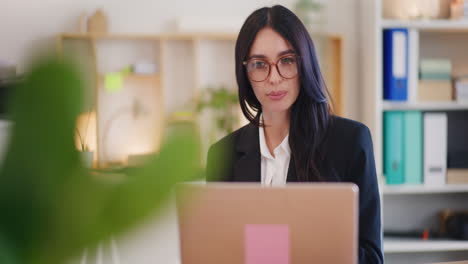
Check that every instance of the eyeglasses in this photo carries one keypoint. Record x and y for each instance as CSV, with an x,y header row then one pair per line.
x,y
259,70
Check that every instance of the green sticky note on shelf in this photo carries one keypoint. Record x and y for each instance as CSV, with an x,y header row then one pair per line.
x,y
113,82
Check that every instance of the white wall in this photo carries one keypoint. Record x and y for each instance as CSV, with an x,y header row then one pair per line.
x,y
27,24
343,21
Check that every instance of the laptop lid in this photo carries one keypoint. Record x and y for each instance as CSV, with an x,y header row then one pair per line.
x,y
252,224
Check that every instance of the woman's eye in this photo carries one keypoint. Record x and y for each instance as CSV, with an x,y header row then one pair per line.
x,y
288,60
258,65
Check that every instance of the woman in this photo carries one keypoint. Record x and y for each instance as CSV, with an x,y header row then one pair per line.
x,y
292,135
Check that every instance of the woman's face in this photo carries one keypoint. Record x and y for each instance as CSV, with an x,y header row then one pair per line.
x,y
278,91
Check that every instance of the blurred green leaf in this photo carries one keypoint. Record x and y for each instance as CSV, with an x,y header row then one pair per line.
x,y
51,206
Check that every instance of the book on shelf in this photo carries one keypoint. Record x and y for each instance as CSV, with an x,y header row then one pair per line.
x,y
435,76
395,64
457,176
435,66
461,90
435,80
429,148
435,91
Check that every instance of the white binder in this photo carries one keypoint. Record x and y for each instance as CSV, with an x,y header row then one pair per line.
x,y
435,148
413,65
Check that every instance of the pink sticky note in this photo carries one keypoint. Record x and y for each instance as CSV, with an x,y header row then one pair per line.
x,y
267,244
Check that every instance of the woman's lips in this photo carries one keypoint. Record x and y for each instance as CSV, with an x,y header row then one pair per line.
x,y
276,95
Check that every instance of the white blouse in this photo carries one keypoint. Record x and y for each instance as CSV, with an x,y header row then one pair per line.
x,y
274,170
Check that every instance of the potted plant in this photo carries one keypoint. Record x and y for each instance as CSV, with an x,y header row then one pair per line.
x,y
310,12
222,103
87,155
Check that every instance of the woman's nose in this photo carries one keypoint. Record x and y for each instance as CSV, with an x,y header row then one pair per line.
x,y
274,77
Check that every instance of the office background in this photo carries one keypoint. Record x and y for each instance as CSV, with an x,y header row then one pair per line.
x,y
27,26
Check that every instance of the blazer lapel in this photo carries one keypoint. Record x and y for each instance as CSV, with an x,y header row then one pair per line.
x,y
292,177
247,166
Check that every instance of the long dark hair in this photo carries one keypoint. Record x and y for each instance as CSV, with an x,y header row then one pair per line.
x,y
310,113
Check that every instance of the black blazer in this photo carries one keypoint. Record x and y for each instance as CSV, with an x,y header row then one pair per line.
x,y
349,157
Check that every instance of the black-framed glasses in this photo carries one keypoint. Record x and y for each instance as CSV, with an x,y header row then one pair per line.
x,y
259,69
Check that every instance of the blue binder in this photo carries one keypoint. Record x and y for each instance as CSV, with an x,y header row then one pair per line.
x,y
393,147
395,64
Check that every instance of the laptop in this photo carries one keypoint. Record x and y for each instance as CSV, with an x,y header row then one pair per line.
x,y
300,223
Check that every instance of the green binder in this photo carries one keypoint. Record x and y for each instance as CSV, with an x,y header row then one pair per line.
x,y
413,147
393,147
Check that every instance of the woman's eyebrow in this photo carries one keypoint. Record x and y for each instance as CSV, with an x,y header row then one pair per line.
x,y
261,56
289,51
257,56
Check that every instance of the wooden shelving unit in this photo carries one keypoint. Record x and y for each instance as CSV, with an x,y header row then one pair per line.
x,y
122,36
177,57
187,63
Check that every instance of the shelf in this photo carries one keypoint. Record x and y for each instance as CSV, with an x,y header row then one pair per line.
x,y
152,37
425,106
422,189
107,36
404,245
428,25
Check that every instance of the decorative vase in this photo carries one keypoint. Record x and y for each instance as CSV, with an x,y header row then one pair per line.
x,y
97,23
87,158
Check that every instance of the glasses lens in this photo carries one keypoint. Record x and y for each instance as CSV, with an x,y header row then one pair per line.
x,y
258,69
288,66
